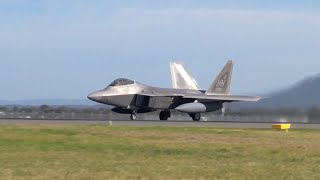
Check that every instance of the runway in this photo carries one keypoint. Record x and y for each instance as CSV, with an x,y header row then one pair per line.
x,y
215,124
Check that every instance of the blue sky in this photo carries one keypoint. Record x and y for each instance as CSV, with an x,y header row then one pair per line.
x,y
66,49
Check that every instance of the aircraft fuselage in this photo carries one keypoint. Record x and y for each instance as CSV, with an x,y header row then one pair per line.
x,y
132,97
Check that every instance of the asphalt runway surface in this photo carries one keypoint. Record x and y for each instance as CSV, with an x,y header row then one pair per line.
x,y
255,125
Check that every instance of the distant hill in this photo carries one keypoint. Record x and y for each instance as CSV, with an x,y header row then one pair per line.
x,y
303,95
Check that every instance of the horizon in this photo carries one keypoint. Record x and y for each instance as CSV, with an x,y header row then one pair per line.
x,y
66,50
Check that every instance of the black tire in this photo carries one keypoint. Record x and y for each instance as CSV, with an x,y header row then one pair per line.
x,y
164,115
196,116
133,116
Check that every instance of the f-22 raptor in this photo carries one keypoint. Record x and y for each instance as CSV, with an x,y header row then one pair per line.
x,y
130,97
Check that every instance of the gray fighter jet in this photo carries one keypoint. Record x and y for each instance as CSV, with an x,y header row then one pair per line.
x,y
130,97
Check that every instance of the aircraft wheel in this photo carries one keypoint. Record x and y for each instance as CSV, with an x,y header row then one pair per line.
x,y
196,116
133,116
164,115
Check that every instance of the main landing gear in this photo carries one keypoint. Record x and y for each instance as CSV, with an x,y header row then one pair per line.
x,y
195,116
164,115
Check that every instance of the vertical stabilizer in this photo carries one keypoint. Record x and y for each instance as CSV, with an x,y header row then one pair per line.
x,y
181,78
222,84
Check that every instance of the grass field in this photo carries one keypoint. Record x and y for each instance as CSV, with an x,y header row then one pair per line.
x,y
105,152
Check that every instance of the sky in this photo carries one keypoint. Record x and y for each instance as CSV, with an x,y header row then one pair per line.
x,y
57,49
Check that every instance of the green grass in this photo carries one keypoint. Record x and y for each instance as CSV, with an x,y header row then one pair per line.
x,y
104,152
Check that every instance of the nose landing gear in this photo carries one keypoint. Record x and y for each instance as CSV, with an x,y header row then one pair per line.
x,y
133,115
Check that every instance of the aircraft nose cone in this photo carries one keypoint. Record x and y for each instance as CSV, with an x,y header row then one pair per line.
x,y
96,96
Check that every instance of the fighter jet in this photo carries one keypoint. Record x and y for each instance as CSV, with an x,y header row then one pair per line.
x,y
130,97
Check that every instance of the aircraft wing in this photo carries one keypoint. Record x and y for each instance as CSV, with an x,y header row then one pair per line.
x,y
229,98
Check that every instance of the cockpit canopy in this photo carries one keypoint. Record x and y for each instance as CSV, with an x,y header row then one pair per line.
x,y
121,82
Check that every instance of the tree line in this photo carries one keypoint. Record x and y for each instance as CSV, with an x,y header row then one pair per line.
x,y
55,109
